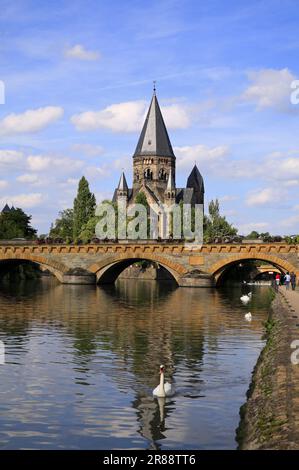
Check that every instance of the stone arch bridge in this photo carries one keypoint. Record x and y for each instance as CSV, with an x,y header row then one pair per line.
x,y
190,266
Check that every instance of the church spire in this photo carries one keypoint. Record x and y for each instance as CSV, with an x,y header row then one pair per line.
x,y
122,185
154,140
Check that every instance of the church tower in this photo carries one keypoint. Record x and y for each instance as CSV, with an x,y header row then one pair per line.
x,y
154,171
153,160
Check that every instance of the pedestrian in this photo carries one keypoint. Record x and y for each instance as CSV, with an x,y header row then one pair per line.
x,y
287,280
293,280
277,281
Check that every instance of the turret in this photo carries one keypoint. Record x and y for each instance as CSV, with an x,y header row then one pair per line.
x,y
122,189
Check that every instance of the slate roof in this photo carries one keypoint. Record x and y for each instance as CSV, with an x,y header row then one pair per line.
x,y
154,138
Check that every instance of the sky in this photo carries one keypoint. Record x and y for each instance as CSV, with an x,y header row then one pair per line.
x,y
76,79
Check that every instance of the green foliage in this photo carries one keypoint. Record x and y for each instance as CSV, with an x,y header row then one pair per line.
x,y
16,224
84,207
216,225
254,235
141,199
63,225
88,230
294,240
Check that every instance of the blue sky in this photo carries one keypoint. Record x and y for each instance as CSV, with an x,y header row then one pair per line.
x,y
78,80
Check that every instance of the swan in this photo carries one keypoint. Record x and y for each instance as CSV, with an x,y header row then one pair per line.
x,y
248,316
163,389
245,299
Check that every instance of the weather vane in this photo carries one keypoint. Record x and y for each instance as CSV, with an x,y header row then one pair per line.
x,y
154,82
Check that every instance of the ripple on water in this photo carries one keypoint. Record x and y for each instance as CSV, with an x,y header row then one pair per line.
x,y
81,365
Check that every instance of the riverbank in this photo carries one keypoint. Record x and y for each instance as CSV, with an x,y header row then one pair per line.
x,y
270,417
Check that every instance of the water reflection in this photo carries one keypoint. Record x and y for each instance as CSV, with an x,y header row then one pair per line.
x,y
82,362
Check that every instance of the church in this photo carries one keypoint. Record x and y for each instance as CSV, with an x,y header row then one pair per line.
x,y
154,168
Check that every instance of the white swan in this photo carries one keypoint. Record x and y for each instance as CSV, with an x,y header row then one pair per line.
x,y
245,298
163,389
248,316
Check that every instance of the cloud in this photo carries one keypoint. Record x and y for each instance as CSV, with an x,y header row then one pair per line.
x,y
10,157
88,149
227,198
43,162
24,200
28,178
260,197
188,155
129,117
176,116
291,222
32,120
3,184
80,53
270,88
246,228
93,172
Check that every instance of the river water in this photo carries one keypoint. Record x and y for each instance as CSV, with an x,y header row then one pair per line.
x,y
81,363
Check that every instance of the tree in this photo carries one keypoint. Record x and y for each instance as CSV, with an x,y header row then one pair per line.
x,y
254,235
88,230
84,207
16,224
141,199
216,225
63,225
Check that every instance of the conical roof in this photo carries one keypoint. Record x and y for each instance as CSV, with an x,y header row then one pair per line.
x,y
170,182
195,180
122,185
154,138
5,209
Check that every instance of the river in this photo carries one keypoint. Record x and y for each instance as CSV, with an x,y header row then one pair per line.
x,y
81,363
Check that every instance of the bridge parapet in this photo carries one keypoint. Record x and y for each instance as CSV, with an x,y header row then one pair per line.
x,y
189,265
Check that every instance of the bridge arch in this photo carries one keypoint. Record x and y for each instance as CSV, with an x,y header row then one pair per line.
x,y
218,268
56,268
108,270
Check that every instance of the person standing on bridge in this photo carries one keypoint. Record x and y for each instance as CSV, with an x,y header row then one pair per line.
x,y
277,281
293,280
287,280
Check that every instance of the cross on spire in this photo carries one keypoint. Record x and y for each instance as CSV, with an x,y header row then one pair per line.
x,y
154,87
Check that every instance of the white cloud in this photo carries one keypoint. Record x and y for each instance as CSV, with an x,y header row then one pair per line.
x,y
79,52
227,198
187,156
260,197
24,200
3,184
121,117
28,178
44,162
124,163
176,116
88,149
97,172
10,157
246,228
270,88
129,117
70,182
291,222
30,121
